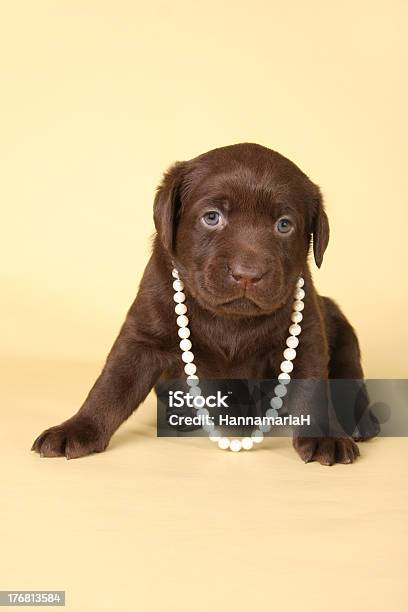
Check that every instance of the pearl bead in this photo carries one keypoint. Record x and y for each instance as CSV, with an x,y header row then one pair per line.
x,y
180,309
292,342
280,390
284,378
175,273
265,427
235,445
178,285
223,443
179,297
187,356
194,391
193,380
271,413
208,426
257,436
215,435
276,403
182,321
184,332
298,305
300,282
198,402
286,366
295,329
185,344
289,354
203,412
296,317
190,368
247,443
299,293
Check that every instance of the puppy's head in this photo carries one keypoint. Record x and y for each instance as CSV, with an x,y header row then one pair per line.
x,y
238,222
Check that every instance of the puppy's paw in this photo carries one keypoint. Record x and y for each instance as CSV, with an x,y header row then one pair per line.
x,y
74,438
326,451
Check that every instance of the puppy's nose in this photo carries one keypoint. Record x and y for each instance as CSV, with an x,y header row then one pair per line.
x,y
245,275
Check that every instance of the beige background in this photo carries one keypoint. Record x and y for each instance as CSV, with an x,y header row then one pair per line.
x,y
98,98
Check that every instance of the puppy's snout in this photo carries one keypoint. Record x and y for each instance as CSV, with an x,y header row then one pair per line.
x,y
246,276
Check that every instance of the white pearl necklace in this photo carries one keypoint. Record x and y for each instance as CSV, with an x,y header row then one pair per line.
x,y
286,367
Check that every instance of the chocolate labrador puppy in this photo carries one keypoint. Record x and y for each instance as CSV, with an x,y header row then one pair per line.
x,y
238,222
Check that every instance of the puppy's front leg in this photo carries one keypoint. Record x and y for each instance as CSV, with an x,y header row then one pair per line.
x,y
322,440
132,368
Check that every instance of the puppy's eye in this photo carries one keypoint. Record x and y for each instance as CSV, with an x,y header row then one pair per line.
x,y
212,217
283,225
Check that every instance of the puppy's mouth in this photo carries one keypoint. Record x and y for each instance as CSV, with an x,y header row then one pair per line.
x,y
238,306
244,303
241,304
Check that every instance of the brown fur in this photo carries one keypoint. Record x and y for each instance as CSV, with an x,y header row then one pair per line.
x,y
239,280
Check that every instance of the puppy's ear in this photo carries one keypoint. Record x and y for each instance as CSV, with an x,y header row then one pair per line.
x,y
167,204
320,228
